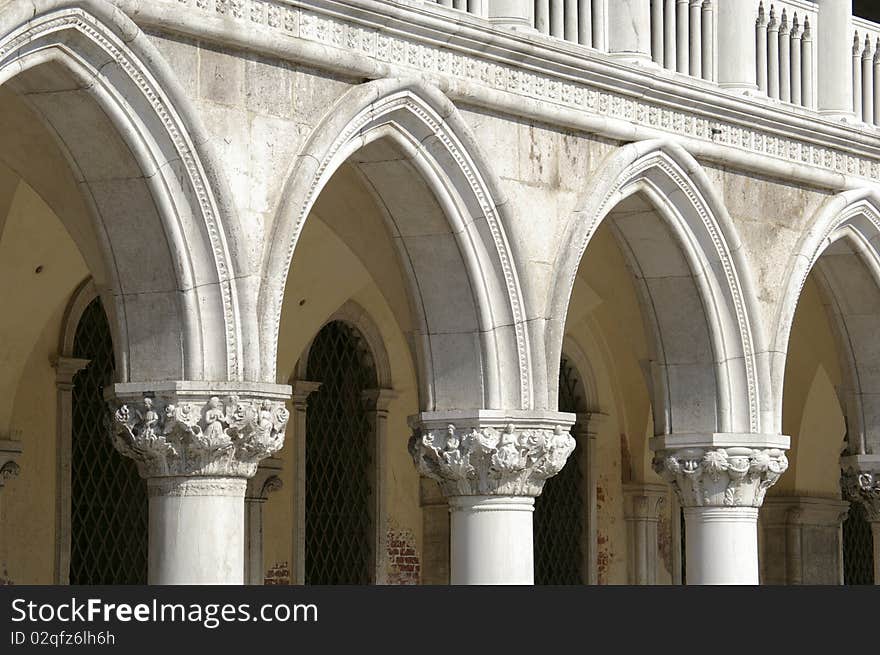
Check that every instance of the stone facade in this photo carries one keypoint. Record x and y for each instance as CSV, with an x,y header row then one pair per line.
x,y
685,208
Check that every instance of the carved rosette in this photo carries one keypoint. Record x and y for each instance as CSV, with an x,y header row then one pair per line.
x,y
721,477
166,436
864,487
490,461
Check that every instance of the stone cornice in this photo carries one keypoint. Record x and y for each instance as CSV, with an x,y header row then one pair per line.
x,y
198,429
490,454
536,76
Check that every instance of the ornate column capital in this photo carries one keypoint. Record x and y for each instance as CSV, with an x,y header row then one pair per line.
x,y
861,482
491,452
644,501
720,470
198,428
9,454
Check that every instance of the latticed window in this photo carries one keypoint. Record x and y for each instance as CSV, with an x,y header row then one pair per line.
x,y
858,547
339,436
108,523
559,510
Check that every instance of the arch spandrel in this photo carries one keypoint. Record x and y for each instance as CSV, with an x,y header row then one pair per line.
x,y
700,267
472,340
166,253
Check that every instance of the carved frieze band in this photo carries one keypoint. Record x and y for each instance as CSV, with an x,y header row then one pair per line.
x,y
864,487
209,438
721,477
428,57
487,461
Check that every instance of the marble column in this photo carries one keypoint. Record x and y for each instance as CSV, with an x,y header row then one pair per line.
x,y
862,485
516,14
721,480
197,444
737,63
643,503
629,29
835,90
491,465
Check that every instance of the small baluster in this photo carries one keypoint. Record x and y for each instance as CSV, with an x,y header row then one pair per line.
x,y
868,82
585,22
708,40
796,64
599,41
557,18
542,16
696,38
773,55
657,48
761,45
877,82
682,37
669,53
807,65
857,76
571,21
784,59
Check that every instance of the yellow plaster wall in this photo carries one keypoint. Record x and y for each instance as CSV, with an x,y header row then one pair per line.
x,y
32,236
811,413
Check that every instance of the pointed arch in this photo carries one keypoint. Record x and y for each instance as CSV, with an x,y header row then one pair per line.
x,y
842,248
435,144
708,253
169,253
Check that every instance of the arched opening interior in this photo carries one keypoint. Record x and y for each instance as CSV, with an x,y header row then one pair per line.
x,y
830,393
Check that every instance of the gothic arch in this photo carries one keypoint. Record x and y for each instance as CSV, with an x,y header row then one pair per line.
x,y
470,336
702,250
164,246
843,249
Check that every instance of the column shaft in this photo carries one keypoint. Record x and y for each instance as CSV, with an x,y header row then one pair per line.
x,y
196,530
722,545
834,41
518,14
736,45
491,540
629,28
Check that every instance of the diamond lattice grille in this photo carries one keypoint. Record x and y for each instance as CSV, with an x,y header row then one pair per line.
x,y
338,532
559,510
858,547
108,526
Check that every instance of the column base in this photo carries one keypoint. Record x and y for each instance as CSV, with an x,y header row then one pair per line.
x,y
491,540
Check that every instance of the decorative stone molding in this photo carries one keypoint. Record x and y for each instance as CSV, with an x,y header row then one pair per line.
x,y
480,457
653,99
861,483
199,486
721,477
187,432
9,454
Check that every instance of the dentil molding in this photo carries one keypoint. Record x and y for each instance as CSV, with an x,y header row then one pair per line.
x,y
476,458
174,433
721,477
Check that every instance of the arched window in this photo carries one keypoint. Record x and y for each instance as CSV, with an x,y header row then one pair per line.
x,y
560,514
108,527
858,547
339,507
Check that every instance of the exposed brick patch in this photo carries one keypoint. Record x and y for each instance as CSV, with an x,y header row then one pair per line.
x,y
404,565
279,574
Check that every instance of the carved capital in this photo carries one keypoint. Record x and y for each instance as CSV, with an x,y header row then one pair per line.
x,y
863,487
721,477
190,432
480,456
9,453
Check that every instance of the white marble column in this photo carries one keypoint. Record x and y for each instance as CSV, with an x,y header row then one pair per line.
x,y
629,29
490,465
834,40
516,14
862,485
196,444
720,480
643,503
266,481
736,45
